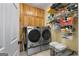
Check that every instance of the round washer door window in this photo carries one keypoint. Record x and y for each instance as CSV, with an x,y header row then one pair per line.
x,y
34,35
46,34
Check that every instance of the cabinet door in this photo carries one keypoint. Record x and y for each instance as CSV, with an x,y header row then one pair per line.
x,y
32,10
30,21
42,13
26,9
21,8
21,21
34,18
40,22
38,12
37,21
25,21
43,22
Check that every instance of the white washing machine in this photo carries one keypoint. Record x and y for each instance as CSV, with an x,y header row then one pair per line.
x,y
33,40
45,38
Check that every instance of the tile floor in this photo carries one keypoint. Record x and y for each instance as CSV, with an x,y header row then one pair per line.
x,y
43,53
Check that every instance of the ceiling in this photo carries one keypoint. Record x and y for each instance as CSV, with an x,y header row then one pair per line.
x,y
40,5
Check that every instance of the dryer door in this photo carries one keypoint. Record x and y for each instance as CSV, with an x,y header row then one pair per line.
x,y
46,34
34,35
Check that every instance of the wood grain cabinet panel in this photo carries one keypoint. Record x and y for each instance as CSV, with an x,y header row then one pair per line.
x,y
32,11
31,15
42,13
40,22
32,21
26,9
37,21
21,8
38,12
43,22
26,18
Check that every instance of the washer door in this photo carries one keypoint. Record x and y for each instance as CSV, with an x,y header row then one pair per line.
x,y
34,35
46,34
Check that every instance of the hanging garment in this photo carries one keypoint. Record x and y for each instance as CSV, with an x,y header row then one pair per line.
x,y
62,22
70,21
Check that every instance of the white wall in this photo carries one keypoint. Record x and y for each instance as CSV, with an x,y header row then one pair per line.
x,y
46,14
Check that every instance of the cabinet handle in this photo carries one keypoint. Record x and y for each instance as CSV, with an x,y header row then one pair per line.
x,y
19,42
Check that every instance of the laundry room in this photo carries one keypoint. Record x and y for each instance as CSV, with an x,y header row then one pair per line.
x,y
48,29
39,29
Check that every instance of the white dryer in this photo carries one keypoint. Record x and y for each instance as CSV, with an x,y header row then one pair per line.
x,y
33,40
45,38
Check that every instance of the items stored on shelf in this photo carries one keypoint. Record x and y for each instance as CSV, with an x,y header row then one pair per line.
x,y
64,17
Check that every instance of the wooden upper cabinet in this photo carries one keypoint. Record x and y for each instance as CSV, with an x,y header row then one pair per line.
x,y
21,21
29,10
40,13
26,18
41,22
33,11
26,9
32,20
21,8
32,16
37,21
